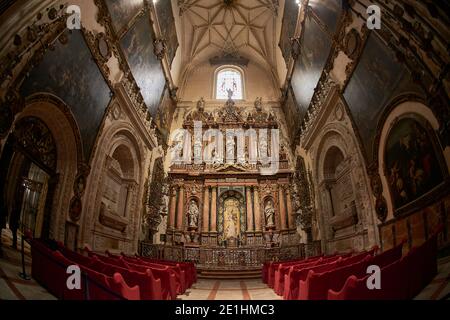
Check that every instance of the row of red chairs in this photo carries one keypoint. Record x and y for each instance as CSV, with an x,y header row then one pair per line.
x,y
176,277
110,277
49,268
345,276
401,279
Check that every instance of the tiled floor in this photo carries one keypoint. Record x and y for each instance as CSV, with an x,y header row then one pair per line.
x,y
12,287
206,289
439,288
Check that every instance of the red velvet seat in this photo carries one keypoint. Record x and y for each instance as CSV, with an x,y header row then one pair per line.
x,y
394,285
292,285
316,284
50,269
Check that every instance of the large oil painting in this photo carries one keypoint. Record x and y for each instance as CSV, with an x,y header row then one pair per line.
x,y
137,45
77,80
328,11
288,28
167,24
377,78
293,114
315,48
412,166
122,11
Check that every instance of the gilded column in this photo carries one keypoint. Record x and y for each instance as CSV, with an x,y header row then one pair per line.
x,y
249,210
173,207
205,223
257,207
282,207
290,213
214,209
180,214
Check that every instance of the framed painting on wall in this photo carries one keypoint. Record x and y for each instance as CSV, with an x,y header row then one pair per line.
x,y
412,165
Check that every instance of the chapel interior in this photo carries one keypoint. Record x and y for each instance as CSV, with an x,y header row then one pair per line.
x,y
208,149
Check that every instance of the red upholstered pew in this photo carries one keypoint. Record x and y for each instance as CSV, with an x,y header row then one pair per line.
x,y
150,288
272,267
282,274
401,279
49,269
187,267
316,284
170,287
181,281
297,273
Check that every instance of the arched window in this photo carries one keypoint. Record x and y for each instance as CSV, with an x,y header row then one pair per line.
x,y
229,79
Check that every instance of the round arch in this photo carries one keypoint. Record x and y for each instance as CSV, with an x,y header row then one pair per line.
x,y
403,109
118,146
57,117
225,68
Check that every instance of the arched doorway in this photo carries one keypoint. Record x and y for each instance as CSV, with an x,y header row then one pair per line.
x,y
38,166
28,176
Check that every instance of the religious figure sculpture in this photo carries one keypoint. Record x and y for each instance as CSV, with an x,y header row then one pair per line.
x,y
269,213
231,216
201,104
230,93
258,104
193,214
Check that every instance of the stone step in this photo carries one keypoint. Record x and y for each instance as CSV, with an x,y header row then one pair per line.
x,y
229,274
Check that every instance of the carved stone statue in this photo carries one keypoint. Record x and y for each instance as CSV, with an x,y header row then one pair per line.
x,y
201,104
193,214
269,213
258,104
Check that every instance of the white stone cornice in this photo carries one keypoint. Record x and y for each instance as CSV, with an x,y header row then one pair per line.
x,y
137,118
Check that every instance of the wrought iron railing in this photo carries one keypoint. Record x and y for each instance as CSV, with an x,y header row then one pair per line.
x,y
230,258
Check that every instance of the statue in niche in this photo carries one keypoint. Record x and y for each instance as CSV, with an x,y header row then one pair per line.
x,y
258,104
201,104
269,213
193,214
231,218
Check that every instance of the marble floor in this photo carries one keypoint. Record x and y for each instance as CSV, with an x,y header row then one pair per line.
x,y
13,287
206,289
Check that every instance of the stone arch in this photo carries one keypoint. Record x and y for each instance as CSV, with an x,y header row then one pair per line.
x,y
57,117
117,147
338,152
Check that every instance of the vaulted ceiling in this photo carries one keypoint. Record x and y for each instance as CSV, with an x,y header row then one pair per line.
x,y
245,28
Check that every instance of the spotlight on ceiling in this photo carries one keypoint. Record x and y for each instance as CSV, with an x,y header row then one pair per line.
x,y
299,2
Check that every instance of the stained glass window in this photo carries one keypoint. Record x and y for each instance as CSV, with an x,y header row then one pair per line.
x,y
229,81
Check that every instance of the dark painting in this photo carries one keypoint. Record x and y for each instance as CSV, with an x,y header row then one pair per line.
x,y
412,167
77,80
328,11
377,78
293,114
122,11
288,28
315,49
137,45
167,24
